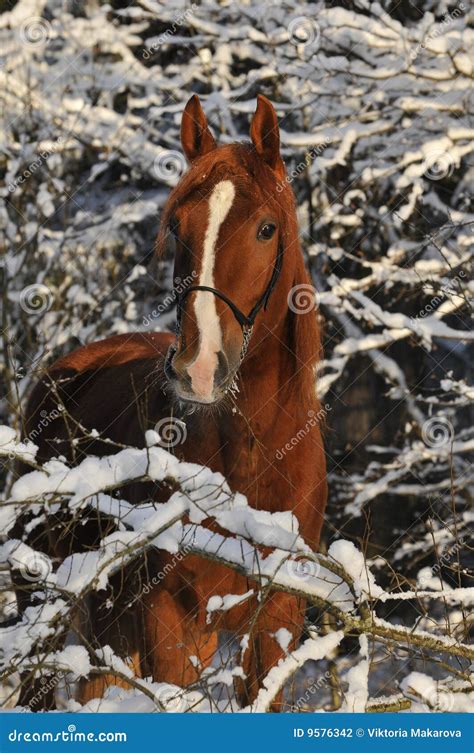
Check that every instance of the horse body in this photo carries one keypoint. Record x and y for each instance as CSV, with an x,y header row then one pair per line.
x,y
118,388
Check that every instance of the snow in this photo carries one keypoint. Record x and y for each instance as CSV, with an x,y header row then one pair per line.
x,y
74,660
9,446
433,695
313,648
353,562
378,147
109,658
202,494
320,584
357,694
283,637
224,603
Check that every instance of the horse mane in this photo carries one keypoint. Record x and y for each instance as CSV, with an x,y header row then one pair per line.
x,y
305,337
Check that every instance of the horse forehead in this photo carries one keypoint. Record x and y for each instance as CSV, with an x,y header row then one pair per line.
x,y
220,201
206,212
238,188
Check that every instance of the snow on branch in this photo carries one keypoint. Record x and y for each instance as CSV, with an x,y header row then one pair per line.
x,y
340,582
378,150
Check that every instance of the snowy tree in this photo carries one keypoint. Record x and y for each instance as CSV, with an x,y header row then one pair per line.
x,y
374,101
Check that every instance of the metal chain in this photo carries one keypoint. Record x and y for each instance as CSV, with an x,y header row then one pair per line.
x,y
247,334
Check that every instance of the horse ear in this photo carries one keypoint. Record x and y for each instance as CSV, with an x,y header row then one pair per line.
x,y
265,135
196,137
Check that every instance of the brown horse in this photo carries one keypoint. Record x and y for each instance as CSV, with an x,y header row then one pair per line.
x,y
231,222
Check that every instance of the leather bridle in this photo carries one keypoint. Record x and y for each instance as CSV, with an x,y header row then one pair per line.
x,y
246,321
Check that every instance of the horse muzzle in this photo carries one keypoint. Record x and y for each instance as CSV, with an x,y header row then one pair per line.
x,y
204,380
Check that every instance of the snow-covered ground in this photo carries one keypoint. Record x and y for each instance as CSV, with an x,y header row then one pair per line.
x,y
377,133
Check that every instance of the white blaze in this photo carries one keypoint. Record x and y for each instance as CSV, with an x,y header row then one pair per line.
x,y
204,366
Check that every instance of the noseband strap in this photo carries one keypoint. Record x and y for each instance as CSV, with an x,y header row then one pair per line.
x,y
246,321
243,320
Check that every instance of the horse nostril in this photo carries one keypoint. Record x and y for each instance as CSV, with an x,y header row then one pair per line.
x,y
168,366
181,373
174,368
201,378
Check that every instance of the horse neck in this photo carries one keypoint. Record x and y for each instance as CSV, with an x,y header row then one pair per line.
x,y
278,374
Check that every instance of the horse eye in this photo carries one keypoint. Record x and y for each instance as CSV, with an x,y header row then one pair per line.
x,y
266,231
